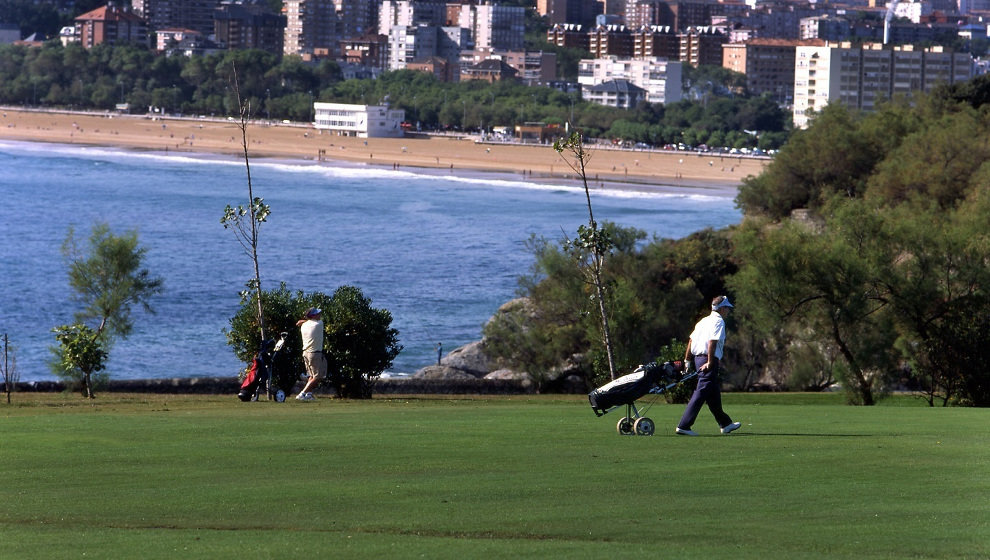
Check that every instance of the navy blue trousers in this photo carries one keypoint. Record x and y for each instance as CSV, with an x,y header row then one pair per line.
x,y
708,392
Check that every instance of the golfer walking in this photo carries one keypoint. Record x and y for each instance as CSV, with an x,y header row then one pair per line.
x,y
705,344
311,329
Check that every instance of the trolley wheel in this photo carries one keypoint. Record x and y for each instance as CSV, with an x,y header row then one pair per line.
x,y
625,426
644,427
279,396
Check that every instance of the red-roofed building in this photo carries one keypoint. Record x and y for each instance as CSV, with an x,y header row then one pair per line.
x,y
111,24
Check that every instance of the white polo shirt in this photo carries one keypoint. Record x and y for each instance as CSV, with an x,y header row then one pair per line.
x,y
710,328
312,336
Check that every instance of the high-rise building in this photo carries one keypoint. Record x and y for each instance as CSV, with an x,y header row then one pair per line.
x,y
356,18
406,13
408,43
311,27
494,26
196,15
768,65
248,25
581,12
640,13
861,77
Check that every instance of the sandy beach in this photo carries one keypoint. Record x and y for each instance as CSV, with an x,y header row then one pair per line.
x,y
649,170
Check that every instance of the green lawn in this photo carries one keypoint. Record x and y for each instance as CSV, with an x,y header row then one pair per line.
x,y
149,476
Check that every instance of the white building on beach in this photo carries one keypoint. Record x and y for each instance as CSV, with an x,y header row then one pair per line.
x,y
363,121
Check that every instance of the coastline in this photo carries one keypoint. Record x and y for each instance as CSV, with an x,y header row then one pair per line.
x,y
416,186
653,171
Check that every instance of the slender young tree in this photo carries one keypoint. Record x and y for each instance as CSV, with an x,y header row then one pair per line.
x,y
108,280
593,242
246,220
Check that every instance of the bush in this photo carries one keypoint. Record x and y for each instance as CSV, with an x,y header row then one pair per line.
x,y
358,339
80,357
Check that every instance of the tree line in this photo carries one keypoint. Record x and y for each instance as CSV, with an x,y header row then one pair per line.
x,y
862,260
105,77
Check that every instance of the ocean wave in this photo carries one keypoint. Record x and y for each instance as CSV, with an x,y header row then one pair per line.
x,y
471,178
345,170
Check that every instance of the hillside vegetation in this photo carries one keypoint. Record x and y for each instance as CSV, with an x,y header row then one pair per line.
x,y
862,260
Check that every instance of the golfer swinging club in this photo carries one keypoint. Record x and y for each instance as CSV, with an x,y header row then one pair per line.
x,y
705,344
311,329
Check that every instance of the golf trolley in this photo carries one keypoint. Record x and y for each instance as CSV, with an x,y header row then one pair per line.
x,y
261,377
649,379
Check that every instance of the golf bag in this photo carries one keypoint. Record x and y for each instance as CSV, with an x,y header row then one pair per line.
x,y
628,388
260,379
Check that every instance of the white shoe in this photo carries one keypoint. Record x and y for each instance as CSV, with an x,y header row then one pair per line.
x,y
683,432
305,397
731,427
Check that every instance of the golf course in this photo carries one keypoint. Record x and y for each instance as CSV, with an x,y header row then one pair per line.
x,y
193,476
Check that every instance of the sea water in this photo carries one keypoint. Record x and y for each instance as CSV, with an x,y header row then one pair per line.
x,y
440,252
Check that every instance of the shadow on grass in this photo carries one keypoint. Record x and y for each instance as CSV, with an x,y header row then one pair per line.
x,y
784,434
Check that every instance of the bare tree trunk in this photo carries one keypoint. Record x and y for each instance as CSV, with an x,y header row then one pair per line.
x,y
576,145
244,111
6,369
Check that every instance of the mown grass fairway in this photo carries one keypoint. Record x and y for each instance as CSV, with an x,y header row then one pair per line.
x,y
150,476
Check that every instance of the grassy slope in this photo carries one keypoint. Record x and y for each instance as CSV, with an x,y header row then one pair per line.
x,y
210,477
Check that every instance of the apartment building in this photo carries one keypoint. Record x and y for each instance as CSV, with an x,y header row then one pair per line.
x,y
621,94
369,50
111,24
610,40
409,43
642,13
695,45
768,65
656,41
310,27
494,26
532,67
581,12
238,25
570,35
702,45
356,18
408,13
861,77
491,71
660,78
195,15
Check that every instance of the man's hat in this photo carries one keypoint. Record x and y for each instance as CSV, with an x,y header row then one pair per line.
x,y
720,302
313,312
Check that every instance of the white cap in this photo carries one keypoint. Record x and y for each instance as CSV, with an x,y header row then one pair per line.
x,y
721,301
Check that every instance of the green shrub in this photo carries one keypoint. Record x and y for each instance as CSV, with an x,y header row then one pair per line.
x,y
358,339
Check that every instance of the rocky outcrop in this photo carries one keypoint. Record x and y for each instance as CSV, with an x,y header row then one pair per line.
x,y
443,373
472,362
467,362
